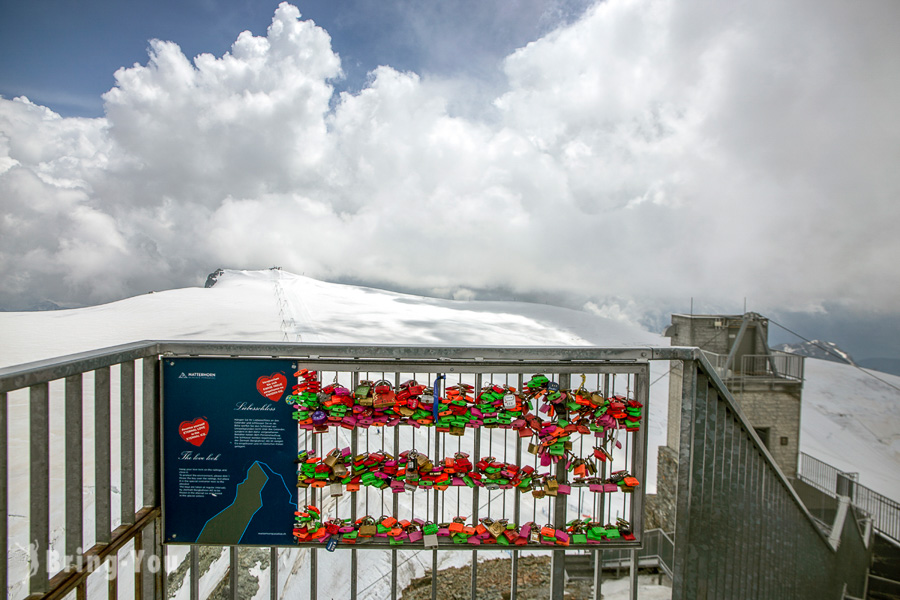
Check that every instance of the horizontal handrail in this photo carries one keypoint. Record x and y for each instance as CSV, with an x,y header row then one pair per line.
x,y
24,375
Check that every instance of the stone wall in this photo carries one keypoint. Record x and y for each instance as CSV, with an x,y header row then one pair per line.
x,y
660,507
779,412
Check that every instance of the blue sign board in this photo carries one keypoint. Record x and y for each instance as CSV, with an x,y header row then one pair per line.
x,y
229,446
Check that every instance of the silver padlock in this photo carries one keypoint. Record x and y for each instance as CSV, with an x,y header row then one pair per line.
x,y
336,489
430,540
509,401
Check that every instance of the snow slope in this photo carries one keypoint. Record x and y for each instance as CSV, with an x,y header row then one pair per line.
x,y
850,421
246,305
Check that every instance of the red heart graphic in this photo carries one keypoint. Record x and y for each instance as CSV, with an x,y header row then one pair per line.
x,y
194,432
272,386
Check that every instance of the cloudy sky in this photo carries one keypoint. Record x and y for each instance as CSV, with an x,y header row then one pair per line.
x,y
630,154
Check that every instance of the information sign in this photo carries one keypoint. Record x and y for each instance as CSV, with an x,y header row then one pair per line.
x,y
229,445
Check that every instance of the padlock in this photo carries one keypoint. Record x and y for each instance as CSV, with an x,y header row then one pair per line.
x,y
332,543
332,457
368,527
340,470
429,535
497,527
412,466
336,489
509,401
533,448
579,468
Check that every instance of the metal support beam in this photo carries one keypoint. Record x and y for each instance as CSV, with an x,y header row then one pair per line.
x,y
734,346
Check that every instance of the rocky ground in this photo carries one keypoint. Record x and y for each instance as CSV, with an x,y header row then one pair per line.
x,y
493,582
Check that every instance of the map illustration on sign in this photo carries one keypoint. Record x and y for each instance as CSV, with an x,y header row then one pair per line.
x,y
229,444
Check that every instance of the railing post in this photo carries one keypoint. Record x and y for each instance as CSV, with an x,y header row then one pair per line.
x,y
102,457
74,465
126,441
39,460
151,459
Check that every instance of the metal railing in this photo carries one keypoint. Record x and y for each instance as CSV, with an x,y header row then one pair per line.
x,y
60,543
775,365
884,512
658,550
741,529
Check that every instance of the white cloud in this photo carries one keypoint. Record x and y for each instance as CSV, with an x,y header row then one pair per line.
x,y
653,150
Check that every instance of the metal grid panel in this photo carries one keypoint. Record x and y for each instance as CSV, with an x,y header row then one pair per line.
x,y
741,529
503,444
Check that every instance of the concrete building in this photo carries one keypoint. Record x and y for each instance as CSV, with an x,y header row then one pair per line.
x,y
766,383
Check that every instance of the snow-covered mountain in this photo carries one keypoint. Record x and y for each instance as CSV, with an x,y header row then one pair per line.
x,y
818,349
848,418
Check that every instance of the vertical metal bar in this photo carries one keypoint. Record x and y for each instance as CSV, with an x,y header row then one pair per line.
x,y
4,493
684,500
395,501
74,465
633,575
151,434
273,574
354,500
598,573
558,556
639,456
102,461
195,572
233,572
434,494
731,496
314,574
39,459
112,589
756,500
517,509
704,564
162,580
138,551
475,495
718,503
126,422
148,568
